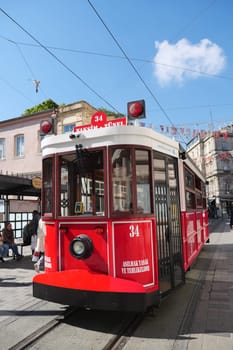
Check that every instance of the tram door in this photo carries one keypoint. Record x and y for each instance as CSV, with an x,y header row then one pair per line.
x,y
167,209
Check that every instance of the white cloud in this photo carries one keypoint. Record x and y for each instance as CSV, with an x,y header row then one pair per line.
x,y
205,57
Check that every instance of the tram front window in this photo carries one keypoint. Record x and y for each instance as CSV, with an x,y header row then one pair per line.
x,y
82,184
143,183
121,180
131,181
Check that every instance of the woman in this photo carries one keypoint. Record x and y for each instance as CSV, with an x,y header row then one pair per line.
x,y
9,240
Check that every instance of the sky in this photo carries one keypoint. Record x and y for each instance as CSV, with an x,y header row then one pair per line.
x,y
177,55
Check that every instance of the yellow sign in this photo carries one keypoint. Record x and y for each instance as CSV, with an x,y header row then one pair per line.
x,y
36,182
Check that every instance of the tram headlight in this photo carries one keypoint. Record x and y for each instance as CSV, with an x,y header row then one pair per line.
x,y
81,247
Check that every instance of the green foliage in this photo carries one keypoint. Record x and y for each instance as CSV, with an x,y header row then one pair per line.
x,y
110,113
44,106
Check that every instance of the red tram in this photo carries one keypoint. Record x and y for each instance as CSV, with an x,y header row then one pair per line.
x,y
125,216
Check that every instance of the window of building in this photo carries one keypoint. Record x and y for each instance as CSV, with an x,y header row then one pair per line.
x,y
224,146
19,146
68,128
227,186
2,149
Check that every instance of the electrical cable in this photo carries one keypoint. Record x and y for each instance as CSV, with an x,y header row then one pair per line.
x,y
59,60
133,66
92,53
34,80
14,88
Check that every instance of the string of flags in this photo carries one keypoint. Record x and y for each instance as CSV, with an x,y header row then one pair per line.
x,y
192,133
187,132
223,156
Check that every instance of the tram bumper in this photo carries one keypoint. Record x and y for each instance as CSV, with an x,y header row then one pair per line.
x,y
91,290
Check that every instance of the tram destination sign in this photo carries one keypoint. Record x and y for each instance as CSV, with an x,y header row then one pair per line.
x,y
99,120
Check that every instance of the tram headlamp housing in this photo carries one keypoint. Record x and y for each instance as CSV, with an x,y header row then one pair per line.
x,y
81,247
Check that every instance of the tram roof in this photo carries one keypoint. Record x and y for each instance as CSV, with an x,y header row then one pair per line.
x,y
114,135
15,185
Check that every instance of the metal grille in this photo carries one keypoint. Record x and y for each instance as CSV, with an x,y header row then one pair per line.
x,y
168,226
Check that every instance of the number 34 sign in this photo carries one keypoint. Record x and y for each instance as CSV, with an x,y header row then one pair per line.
x,y
133,244
99,120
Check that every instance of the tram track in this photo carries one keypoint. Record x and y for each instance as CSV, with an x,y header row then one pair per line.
x,y
26,342
123,329
100,336
115,331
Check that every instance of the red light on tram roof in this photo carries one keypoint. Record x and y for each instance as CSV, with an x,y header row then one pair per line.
x,y
47,126
136,109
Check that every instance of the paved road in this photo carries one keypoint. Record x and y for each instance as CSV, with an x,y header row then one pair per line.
x,y
197,315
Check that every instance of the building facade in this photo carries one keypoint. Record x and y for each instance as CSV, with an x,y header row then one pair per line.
x,y
20,156
20,139
213,154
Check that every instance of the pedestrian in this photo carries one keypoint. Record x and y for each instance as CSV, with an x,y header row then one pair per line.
x,y
9,240
231,218
35,221
38,255
3,249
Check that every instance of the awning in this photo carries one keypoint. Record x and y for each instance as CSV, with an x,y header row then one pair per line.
x,y
19,186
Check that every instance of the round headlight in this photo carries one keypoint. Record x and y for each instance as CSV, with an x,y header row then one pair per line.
x,y
78,248
81,247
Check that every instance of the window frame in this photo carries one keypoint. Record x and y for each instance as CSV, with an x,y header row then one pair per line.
x,y
2,148
133,210
19,146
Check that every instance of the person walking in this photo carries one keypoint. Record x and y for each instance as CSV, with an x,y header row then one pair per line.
x,y
9,240
231,218
35,221
38,255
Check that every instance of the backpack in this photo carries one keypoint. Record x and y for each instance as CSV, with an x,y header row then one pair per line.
x,y
27,234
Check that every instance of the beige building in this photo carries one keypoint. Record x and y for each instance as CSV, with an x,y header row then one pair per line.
x,y
20,155
20,137
213,154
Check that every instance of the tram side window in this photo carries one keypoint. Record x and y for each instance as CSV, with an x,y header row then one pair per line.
x,y
121,179
47,186
190,200
194,191
143,181
82,184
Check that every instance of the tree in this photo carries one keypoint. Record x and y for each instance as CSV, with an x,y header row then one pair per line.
x,y
110,113
44,106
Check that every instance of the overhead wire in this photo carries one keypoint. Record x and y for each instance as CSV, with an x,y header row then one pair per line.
x,y
59,60
133,67
34,80
105,55
15,89
133,59
93,53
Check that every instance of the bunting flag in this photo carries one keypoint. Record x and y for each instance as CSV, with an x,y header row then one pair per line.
x,y
223,156
187,132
